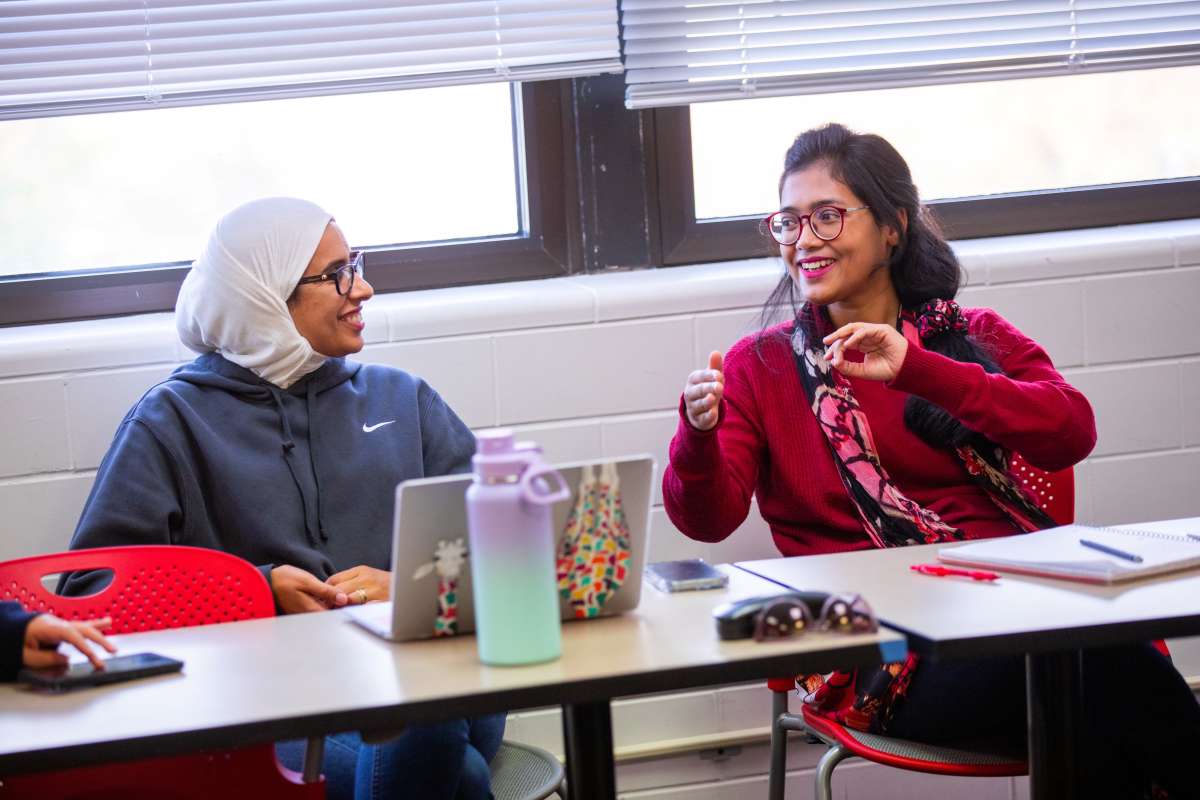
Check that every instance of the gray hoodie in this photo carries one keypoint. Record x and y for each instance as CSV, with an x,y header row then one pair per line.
x,y
216,457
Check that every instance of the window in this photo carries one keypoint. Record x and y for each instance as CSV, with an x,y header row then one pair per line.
x,y
993,158
1015,115
145,187
104,212
964,139
475,183
129,126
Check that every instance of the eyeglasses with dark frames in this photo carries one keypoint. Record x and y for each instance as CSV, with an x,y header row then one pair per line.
x,y
841,613
342,277
826,223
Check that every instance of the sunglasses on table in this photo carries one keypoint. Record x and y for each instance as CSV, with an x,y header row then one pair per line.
x,y
342,277
778,616
840,613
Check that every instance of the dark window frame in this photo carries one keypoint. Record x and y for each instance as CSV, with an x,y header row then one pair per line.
x,y
686,240
548,247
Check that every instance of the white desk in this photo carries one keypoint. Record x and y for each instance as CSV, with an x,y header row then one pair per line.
x,y
307,675
1049,620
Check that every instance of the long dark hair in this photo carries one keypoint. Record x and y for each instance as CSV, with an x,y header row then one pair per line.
x,y
922,265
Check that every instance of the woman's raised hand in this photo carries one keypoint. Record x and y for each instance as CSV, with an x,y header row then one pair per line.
x,y
883,348
363,584
702,393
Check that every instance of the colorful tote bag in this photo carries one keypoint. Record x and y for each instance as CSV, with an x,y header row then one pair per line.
x,y
594,554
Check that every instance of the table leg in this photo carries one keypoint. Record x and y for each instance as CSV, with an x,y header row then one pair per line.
x,y
1054,697
587,734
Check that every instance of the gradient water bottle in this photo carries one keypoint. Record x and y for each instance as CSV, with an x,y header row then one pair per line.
x,y
513,577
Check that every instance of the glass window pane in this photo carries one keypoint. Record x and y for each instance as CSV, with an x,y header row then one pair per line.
x,y
962,140
143,187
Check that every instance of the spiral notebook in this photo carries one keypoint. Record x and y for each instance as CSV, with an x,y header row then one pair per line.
x,y
1058,553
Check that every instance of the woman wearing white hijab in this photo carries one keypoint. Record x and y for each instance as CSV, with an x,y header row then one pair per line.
x,y
271,446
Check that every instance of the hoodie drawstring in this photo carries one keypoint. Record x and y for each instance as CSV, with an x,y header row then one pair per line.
x,y
289,445
313,445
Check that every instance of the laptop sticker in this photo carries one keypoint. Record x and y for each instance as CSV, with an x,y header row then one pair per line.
x,y
448,560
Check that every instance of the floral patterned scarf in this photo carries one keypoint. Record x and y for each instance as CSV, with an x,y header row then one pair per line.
x,y
889,518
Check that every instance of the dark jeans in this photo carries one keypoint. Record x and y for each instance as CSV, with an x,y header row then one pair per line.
x,y
443,761
1141,722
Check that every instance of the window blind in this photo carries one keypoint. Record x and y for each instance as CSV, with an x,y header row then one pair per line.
x,y
76,56
685,52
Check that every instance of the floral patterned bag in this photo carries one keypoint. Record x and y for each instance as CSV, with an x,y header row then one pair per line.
x,y
594,554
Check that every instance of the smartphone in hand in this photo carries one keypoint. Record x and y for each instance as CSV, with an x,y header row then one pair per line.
x,y
120,668
685,575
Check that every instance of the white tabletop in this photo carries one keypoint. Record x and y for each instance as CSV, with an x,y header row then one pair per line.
x,y
303,675
955,616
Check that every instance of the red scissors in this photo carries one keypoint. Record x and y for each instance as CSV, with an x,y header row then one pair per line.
x,y
939,571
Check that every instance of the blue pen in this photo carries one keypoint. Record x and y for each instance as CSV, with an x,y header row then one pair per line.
x,y
1112,551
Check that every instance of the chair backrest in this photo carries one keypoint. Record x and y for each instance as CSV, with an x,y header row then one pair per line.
x,y
153,586
1053,491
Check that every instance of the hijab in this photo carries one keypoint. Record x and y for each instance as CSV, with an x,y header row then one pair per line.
x,y
234,299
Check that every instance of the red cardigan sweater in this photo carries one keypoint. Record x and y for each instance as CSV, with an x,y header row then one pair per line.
x,y
767,441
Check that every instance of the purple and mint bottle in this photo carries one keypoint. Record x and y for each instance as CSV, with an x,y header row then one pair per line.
x,y
510,525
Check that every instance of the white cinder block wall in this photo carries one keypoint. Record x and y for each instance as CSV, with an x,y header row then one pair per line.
x,y
594,365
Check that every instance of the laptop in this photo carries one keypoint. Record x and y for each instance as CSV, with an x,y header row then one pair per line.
x,y
431,519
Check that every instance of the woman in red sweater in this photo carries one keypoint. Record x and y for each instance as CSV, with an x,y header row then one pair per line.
x,y
881,414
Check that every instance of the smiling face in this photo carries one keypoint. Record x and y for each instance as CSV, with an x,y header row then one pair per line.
x,y
849,273
332,323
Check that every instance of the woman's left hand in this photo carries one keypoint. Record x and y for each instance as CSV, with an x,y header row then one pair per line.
x,y
363,584
883,348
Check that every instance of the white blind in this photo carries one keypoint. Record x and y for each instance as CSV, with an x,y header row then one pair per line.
x,y
685,52
73,56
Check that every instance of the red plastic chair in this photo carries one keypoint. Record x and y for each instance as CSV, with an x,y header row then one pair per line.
x,y
1055,494
155,587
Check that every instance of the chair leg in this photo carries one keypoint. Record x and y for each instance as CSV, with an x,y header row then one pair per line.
x,y
778,772
314,755
824,775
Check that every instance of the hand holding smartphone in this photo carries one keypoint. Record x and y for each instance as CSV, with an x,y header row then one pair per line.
x,y
78,675
685,575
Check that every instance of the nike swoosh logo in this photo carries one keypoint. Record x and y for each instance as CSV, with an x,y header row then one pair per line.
x,y
368,428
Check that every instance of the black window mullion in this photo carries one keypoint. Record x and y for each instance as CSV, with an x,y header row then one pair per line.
x,y
618,206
